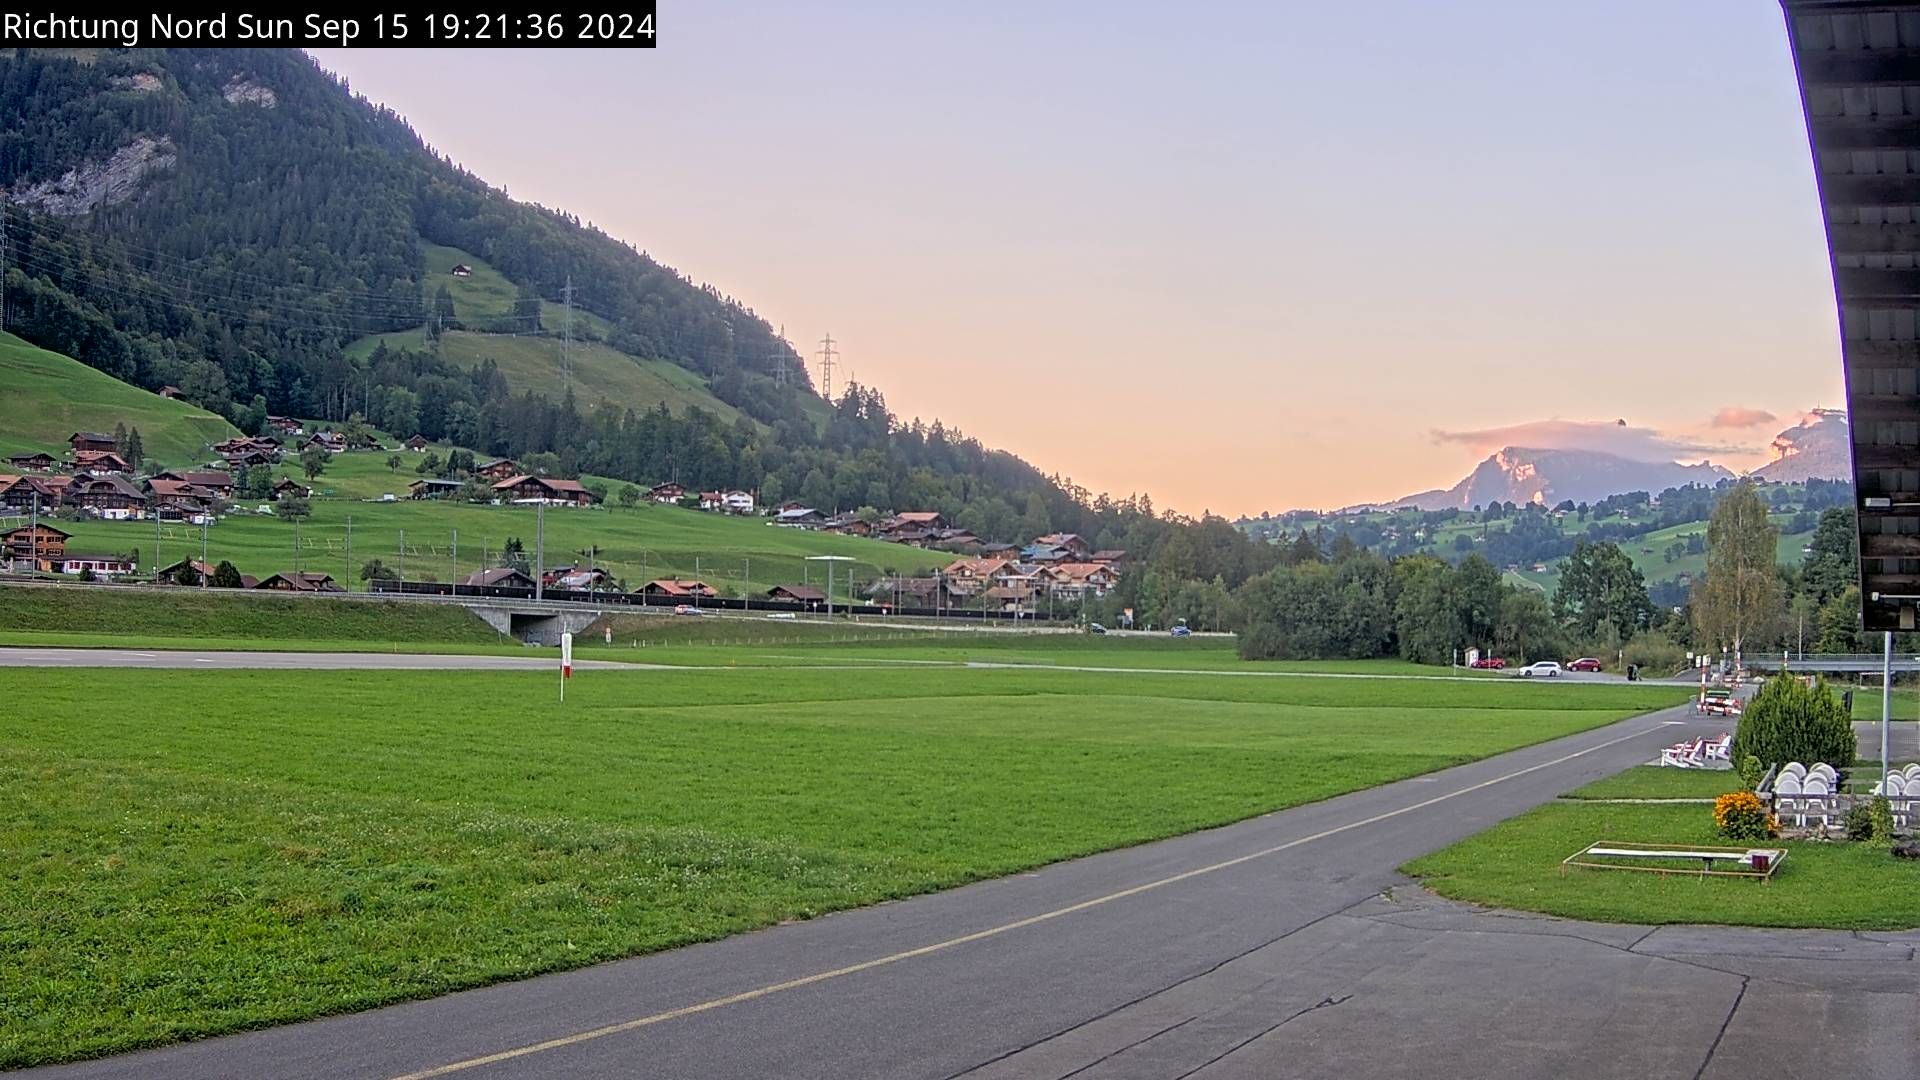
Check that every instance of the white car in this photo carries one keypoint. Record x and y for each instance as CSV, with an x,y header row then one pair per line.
x,y
1544,669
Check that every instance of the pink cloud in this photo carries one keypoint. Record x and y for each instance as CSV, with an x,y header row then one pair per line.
x,y
1738,416
1607,436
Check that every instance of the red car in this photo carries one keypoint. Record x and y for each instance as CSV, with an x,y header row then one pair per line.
x,y
1494,663
1585,663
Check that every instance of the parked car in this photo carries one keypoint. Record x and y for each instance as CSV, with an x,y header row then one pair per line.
x,y
1490,663
688,609
1182,631
1096,628
1544,669
782,615
1585,663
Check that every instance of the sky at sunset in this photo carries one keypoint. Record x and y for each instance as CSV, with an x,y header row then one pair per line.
x,y
1243,257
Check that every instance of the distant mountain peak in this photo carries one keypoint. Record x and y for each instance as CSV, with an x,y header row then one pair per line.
x,y
1819,447
1520,474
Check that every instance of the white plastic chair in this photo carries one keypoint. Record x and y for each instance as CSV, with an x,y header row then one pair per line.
x,y
1793,769
1825,772
1815,799
1899,796
1911,772
1684,755
1720,749
1786,796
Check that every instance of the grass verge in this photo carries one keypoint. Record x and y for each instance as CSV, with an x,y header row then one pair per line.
x,y
194,852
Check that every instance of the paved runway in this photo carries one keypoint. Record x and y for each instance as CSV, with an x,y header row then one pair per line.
x,y
1281,946
318,661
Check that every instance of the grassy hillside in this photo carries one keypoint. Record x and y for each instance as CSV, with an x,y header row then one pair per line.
x,y
49,396
601,375
646,542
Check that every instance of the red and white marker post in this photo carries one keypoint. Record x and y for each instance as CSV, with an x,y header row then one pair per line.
x,y
566,663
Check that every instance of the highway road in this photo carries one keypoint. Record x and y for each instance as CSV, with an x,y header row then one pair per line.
x,y
1286,945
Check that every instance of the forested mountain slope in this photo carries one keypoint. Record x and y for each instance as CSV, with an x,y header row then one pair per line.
x,y
238,223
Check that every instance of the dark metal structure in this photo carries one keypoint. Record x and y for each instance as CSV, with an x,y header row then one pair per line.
x,y
1859,70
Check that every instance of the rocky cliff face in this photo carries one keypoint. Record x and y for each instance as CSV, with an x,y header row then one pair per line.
x,y
95,184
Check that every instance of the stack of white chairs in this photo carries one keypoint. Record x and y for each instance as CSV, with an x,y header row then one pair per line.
x,y
1817,794
1786,791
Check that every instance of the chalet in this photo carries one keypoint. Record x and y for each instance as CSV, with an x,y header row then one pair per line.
x,y
100,461
930,520
170,392
666,493
289,487
217,481
1073,544
1045,553
540,489
177,493
500,577
499,468
1015,598
23,493
727,502
196,572
970,577
800,517
1080,579
178,514
578,578
34,547
102,566
805,594
1113,557
923,592
35,462
247,459
676,589
333,442
298,581
434,489
245,443
956,540
462,270
109,495
792,504
847,525
92,440
998,551
286,425
417,444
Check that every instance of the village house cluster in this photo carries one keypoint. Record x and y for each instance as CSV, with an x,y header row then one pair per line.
x,y
95,479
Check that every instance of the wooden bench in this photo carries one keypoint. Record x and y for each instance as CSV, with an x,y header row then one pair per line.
x,y
1759,862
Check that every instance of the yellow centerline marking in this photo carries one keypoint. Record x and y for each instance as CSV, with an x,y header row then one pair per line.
x,y
981,935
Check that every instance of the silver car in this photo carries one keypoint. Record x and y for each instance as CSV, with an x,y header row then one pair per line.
x,y
1544,669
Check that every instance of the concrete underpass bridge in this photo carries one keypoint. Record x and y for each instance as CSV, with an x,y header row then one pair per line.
x,y
536,622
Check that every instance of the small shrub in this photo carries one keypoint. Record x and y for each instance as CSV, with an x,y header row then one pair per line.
x,y
1740,815
1880,812
1790,721
1859,822
1751,772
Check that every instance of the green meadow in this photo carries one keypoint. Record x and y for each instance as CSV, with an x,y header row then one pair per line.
x,y
195,852
49,396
